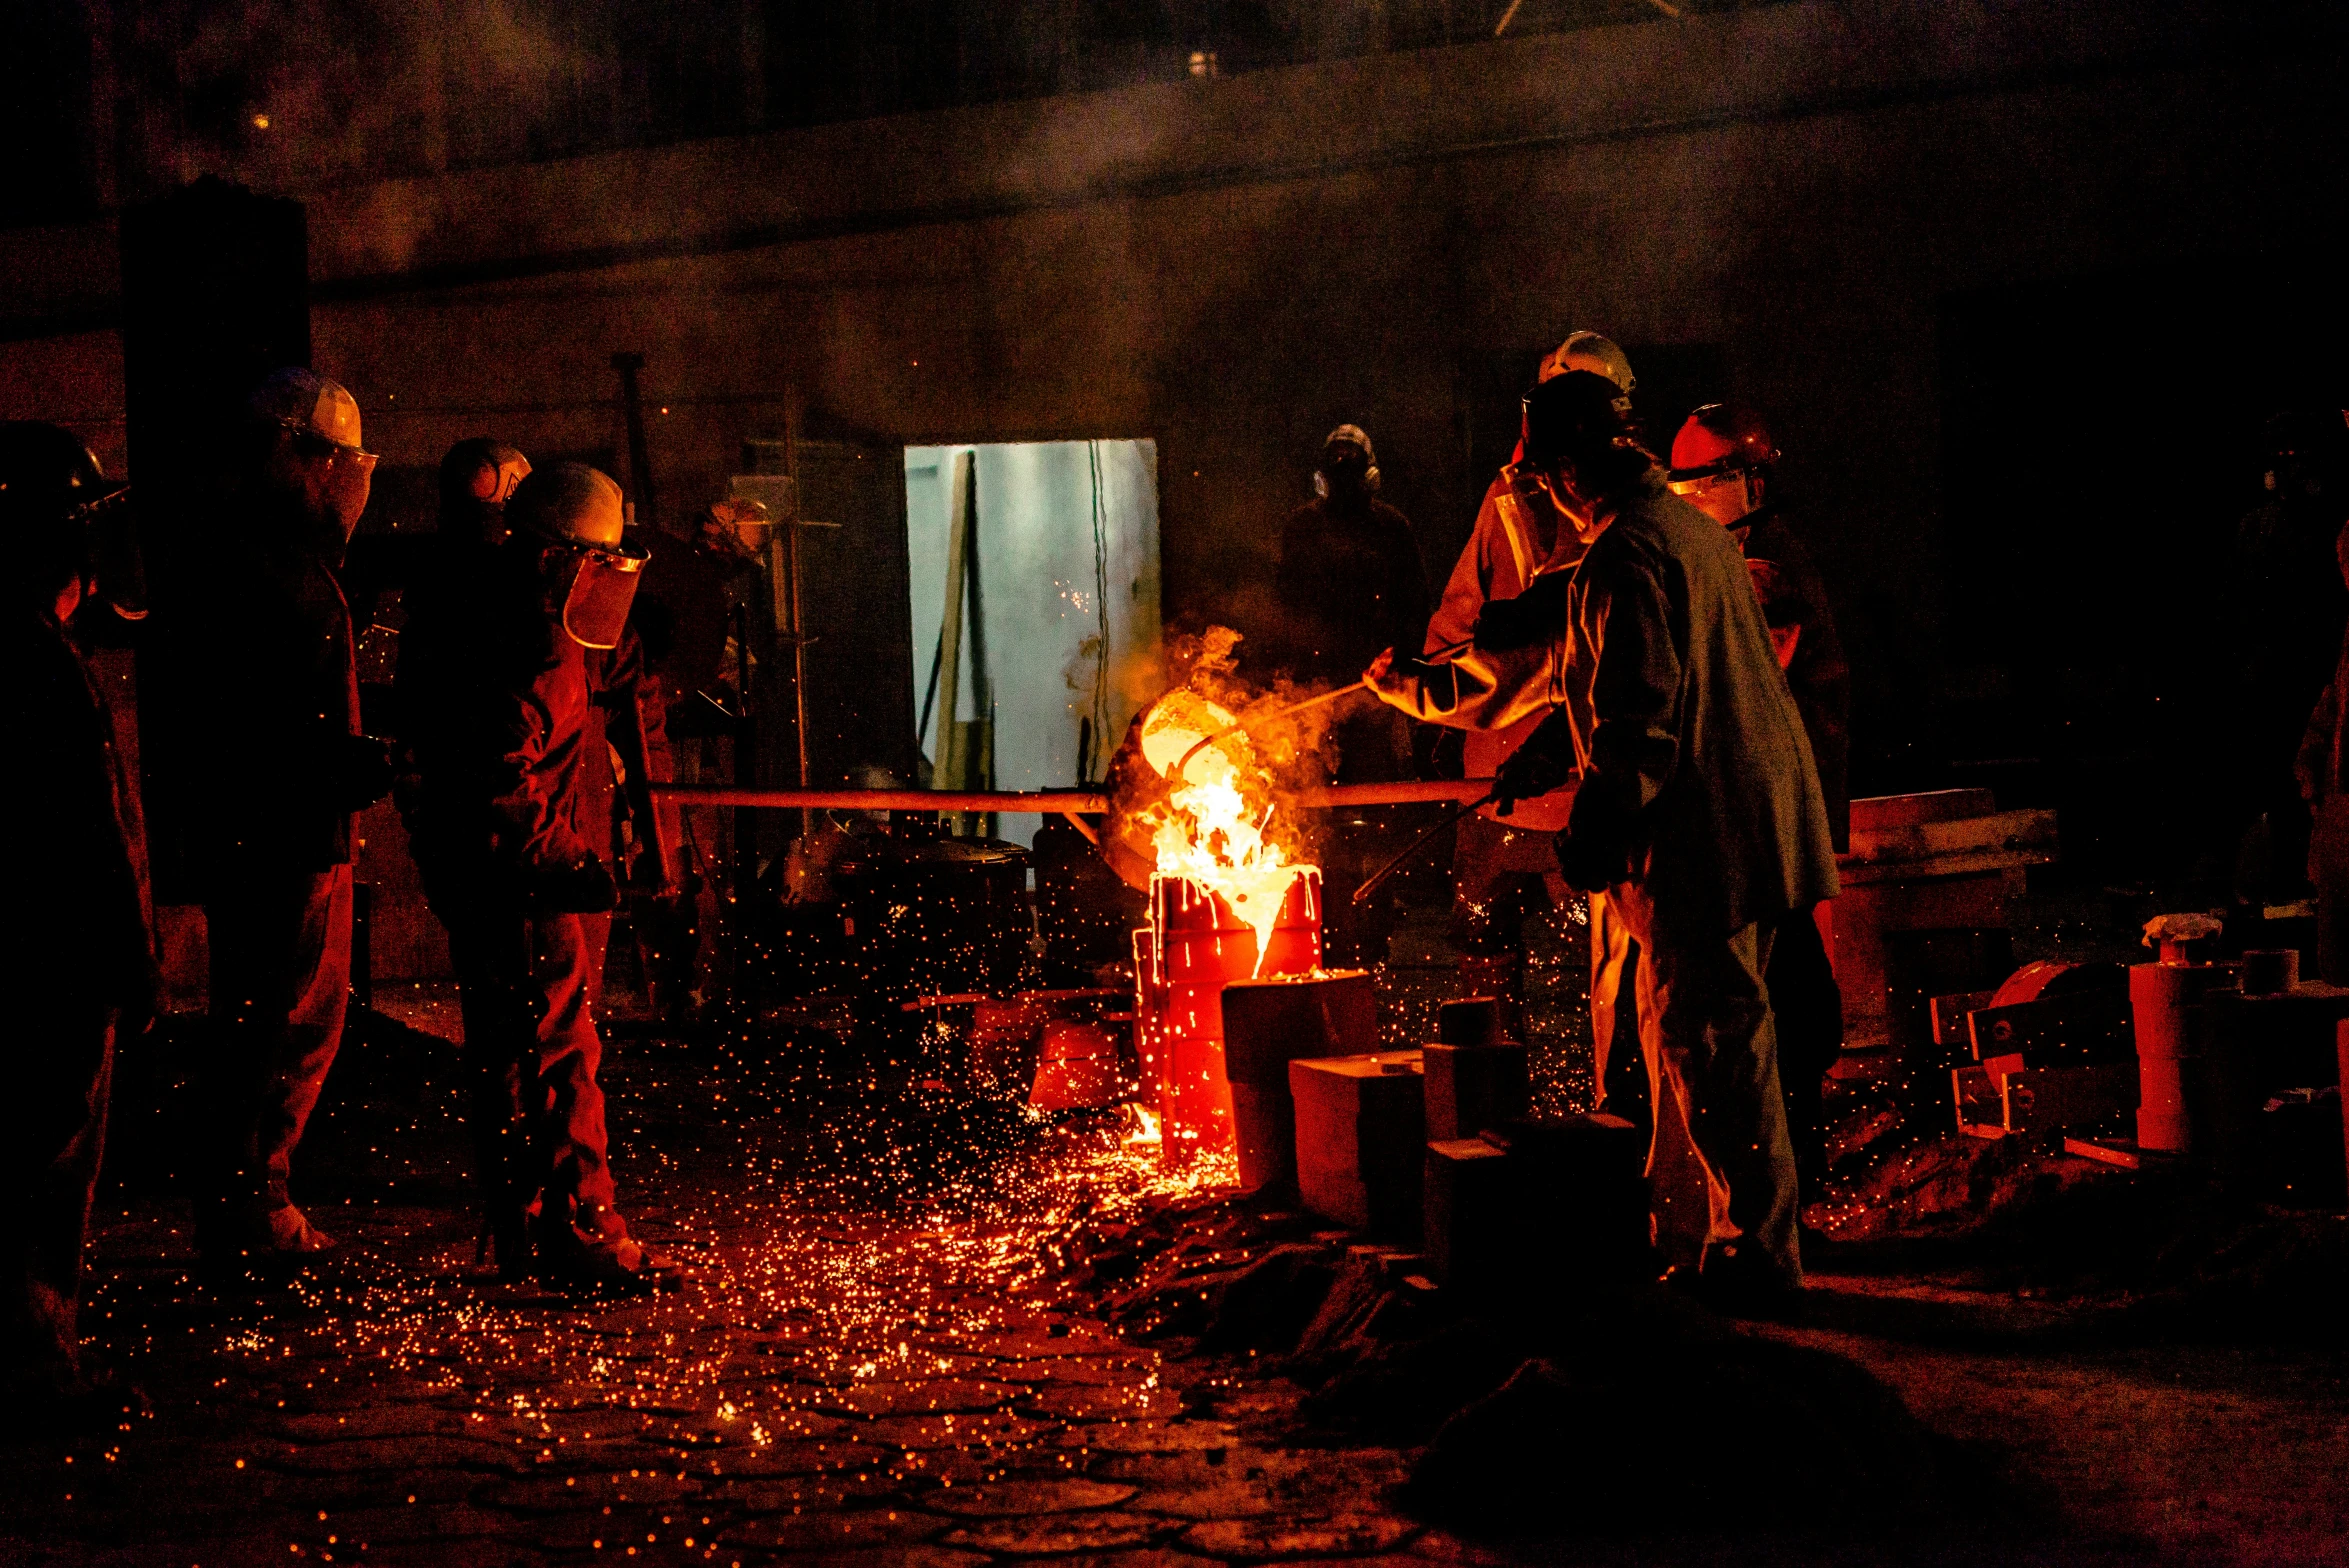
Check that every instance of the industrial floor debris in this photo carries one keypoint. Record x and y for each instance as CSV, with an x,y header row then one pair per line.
x,y
904,1344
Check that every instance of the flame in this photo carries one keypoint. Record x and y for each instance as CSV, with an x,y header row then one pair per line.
x,y
1211,829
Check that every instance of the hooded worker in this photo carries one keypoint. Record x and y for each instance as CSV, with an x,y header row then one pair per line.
x,y
1698,811
79,967
1724,464
276,766
515,867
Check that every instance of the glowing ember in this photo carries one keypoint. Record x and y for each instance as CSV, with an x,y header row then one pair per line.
x,y
1211,829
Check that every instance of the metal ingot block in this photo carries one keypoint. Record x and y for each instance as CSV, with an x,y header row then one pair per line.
x,y
1361,1137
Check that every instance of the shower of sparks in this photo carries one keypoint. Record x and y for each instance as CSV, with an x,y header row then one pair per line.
x,y
812,1337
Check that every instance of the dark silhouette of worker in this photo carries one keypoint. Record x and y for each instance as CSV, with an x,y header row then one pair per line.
x,y
1699,813
2285,615
2323,773
507,710
1350,582
265,634
1723,464
79,965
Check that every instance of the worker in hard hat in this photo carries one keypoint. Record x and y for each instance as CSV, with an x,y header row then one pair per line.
x,y
1498,687
512,870
79,968
1698,811
1723,464
1349,583
263,799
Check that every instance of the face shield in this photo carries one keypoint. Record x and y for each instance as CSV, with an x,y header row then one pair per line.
x,y
597,584
349,473
1720,490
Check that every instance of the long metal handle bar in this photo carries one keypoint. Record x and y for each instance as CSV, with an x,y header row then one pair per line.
x,y
1076,802
1370,883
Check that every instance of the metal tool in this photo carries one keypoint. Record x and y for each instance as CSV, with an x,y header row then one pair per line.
x,y
1265,718
1371,883
1362,684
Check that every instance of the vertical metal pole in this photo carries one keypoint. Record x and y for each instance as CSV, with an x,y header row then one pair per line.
x,y
791,422
639,453
746,849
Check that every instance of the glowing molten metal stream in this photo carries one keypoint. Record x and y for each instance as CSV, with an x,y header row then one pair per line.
x,y
1227,903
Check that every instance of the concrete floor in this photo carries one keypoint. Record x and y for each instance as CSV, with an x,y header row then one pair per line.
x,y
875,1364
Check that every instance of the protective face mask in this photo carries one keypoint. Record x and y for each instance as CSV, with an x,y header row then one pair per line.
x,y
602,586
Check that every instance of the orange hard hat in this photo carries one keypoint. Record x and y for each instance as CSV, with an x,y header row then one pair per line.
x,y
1719,438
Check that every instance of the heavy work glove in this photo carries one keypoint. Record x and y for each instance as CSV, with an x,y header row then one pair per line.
x,y
1537,615
1539,766
582,889
363,770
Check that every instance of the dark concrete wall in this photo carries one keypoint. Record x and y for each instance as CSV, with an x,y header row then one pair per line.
x,y
1233,267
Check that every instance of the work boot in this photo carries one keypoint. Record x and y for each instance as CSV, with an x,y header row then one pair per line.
x,y
590,1248
253,1240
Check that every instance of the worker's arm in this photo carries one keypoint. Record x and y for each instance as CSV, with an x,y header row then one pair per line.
x,y
1476,689
636,718
1467,589
551,865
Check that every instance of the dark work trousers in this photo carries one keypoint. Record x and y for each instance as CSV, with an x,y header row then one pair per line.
x,y
51,1141
1712,1052
1808,1007
527,988
280,985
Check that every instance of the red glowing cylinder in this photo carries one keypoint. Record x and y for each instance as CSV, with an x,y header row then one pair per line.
x,y
1197,947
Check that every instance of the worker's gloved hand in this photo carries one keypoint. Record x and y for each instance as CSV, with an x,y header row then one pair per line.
x,y
1537,615
1532,769
582,889
1397,679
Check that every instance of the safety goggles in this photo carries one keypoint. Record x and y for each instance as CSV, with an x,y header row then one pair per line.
x,y
1692,482
310,443
600,586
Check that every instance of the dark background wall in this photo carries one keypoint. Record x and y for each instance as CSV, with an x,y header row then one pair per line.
x,y
1952,251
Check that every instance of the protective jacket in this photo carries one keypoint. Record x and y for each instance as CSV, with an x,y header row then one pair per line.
x,y
1350,583
80,877
270,767
508,723
1499,697
1696,775
1818,677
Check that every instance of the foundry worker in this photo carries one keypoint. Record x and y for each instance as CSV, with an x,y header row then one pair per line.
x,y
279,768
1350,582
1698,811
80,962
1498,863
1723,464
2282,616
513,866
2324,785
453,595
